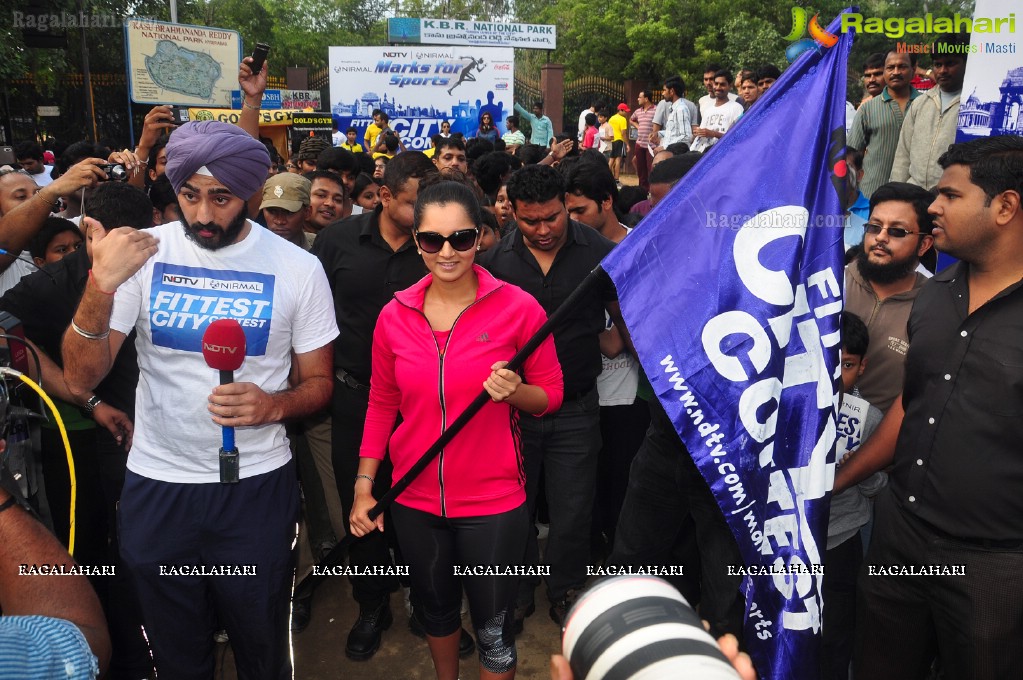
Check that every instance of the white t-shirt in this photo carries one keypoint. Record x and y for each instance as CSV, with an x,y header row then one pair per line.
x,y
43,178
582,123
707,100
719,119
280,296
337,138
619,377
19,269
605,131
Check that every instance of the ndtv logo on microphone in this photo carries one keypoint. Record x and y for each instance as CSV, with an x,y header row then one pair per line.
x,y
219,349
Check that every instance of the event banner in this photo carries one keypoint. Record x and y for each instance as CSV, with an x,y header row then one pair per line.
x,y
732,291
420,87
992,99
180,64
480,33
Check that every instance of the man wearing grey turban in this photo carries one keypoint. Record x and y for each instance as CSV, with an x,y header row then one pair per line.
x,y
203,539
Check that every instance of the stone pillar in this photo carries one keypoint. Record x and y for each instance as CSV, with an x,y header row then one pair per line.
x,y
297,78
552,86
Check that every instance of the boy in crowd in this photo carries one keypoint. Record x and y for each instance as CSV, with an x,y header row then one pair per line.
x,y
850,509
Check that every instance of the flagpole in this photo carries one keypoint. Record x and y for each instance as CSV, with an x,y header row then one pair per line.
x,y
336,556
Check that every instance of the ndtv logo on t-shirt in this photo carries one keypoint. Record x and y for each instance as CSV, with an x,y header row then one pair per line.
x,y
211,284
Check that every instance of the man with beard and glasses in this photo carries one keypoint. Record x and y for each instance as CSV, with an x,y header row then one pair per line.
x,y
882,283
201,539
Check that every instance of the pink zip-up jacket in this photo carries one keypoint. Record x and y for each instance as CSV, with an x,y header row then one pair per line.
x,y
480,471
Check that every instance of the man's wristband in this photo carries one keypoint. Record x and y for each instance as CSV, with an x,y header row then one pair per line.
x,y
251,107
358,477
90,406
54,204
95,284
86,334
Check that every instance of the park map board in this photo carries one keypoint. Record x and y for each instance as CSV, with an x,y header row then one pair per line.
x,y
180,64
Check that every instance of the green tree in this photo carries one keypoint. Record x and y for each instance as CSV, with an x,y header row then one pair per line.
x,y
751,42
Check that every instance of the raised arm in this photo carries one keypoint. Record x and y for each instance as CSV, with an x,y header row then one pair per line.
x,y
252,86
90,345
157,120
21,223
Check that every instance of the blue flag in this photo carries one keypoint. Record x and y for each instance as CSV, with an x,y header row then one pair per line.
x,y
732,290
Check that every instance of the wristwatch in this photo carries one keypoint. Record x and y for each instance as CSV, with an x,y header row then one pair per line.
x,y
90,406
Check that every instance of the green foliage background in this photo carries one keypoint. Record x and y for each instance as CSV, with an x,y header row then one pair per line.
x,y
617,39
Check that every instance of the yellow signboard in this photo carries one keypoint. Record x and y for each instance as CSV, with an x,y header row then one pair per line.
x,y
266,118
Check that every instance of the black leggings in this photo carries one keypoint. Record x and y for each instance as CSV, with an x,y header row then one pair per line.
x,y
433,546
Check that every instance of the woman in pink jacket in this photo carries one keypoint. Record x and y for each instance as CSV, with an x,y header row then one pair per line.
x,y
435,345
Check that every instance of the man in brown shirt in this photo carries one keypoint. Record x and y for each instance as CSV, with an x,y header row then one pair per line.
x,y
882,282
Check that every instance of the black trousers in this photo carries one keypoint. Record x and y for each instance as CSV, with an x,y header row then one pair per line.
x,y
435,546
99,475
972,621
249,526
666,488
348,418
841,567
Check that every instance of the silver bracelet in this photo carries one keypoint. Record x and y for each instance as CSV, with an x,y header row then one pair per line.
x,y
250,106
371,480
87,335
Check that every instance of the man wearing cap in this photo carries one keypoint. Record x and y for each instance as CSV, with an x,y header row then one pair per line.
x,y
308,151
285,208
620,142
204,536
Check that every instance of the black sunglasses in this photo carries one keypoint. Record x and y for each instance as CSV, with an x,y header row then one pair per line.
x,y
461,240
894,232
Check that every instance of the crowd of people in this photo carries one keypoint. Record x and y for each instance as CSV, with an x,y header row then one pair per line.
x,y
381,289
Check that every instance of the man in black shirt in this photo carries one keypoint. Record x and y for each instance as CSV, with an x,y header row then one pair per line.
x,y
548,256
368,258
45,301
942,571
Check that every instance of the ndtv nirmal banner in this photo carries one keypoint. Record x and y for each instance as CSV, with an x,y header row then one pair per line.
x,y
464,32
420,87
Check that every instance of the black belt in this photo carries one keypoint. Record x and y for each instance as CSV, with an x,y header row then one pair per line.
x,y
578,394
1012,545
349,380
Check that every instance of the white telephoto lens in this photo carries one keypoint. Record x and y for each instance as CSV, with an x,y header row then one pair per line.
x,y
640,628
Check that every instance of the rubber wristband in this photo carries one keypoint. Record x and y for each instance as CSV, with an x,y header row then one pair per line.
x,y
95,285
